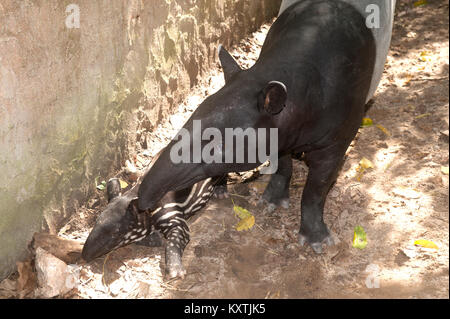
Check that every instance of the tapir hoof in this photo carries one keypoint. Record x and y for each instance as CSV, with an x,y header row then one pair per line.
x,y
316,246
284,203
175,271
270,207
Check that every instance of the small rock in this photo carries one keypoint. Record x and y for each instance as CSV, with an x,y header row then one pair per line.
x,y
54,276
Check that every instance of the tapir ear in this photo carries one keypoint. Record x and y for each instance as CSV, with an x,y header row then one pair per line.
x,y
273,97
112,188
229,64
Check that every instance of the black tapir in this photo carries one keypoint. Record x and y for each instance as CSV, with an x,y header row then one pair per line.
x,y
311,81
121,223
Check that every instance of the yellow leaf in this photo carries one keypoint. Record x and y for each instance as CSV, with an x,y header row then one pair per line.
x,y
422,115
365,163
241,212
366,122
425,56
247,219
359,238
444,170
246,223
384,130
123,184
420,3
425,243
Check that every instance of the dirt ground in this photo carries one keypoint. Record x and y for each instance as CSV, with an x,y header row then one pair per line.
x,y
403,198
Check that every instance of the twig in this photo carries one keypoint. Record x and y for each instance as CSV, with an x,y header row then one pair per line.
x,y
103,271
170,287
232,194
260,228
431,79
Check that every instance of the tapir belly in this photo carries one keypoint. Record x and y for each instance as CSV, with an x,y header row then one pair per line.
x,y
382,35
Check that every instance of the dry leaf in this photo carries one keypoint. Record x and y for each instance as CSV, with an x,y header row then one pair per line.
x,y
444,170
8,288
27,278
383,129
67,250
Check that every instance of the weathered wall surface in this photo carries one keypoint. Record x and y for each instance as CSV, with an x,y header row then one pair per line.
x,y
67,94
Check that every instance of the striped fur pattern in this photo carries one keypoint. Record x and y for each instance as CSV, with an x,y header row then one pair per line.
x,y
121,223
170,219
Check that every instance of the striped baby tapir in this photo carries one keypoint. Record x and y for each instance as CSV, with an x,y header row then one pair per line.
x,y
121,223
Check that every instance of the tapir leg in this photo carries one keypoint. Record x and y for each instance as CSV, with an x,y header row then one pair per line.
x,y
177,239
277,191
323,167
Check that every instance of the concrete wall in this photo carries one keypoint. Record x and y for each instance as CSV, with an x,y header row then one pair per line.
x,y
67,94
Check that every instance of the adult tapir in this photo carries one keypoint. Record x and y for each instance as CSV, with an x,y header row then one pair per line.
x,y
319,65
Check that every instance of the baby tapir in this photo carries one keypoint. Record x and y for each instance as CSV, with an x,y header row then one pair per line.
x,y
121,223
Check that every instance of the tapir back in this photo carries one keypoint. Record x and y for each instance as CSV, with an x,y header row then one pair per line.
x,y
382,34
